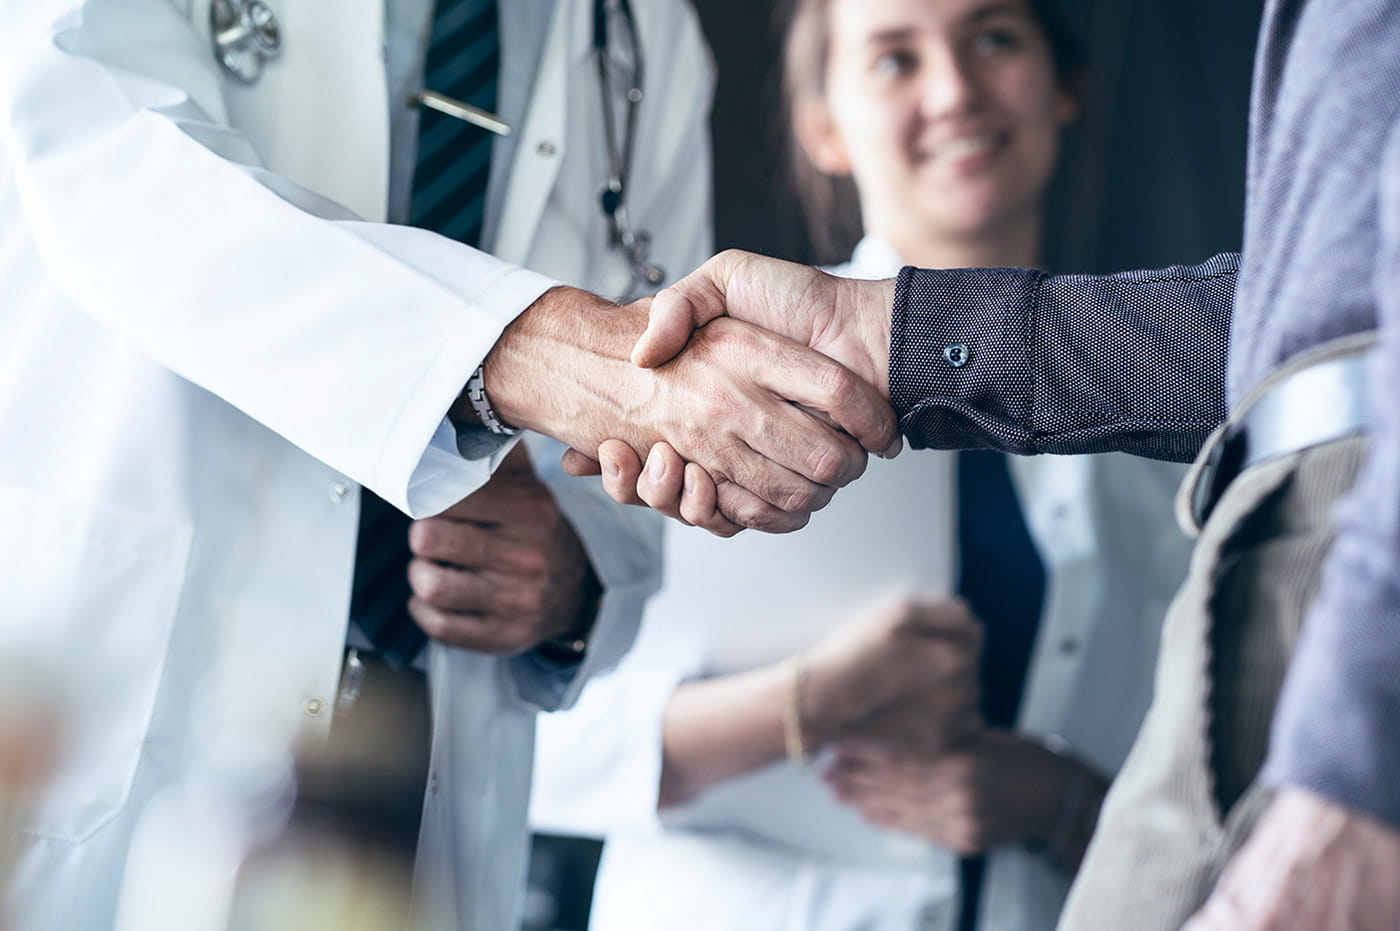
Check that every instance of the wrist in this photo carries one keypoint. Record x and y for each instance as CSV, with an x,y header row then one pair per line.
x,y
863,345
813,704
1074,810
797,743
562,360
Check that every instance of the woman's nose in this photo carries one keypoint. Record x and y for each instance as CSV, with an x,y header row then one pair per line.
x,y
950,86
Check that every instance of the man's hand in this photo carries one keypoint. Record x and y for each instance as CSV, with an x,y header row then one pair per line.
x,y
784,423
1310,865
905,677
845,318
500,571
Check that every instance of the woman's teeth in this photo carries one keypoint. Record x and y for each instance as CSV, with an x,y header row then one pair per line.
x,y
963,146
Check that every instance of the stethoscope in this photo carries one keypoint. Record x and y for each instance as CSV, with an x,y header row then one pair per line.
x,y
635,244
246,35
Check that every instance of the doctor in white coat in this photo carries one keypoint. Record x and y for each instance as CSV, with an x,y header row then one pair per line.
x,y
209,339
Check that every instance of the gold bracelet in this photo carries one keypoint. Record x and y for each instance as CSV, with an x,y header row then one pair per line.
x,y
794,741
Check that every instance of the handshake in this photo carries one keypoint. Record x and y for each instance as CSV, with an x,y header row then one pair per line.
x,y
752,389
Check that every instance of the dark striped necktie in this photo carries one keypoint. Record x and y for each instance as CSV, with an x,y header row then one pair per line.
x,y
449,197
454,157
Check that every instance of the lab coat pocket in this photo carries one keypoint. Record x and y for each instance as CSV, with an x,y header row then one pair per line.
x,y
90,595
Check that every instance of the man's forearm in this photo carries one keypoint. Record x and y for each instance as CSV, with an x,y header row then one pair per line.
x,y
1026,362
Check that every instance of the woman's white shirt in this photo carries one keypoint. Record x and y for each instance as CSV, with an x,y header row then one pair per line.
x,y
772,849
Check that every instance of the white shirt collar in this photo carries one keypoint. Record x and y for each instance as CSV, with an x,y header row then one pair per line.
x,y
872,258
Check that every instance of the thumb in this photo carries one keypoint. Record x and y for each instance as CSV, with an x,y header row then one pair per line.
x,y
685,307
673,318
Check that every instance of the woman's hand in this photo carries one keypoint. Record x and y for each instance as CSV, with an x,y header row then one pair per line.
x,y
904,677
1002,789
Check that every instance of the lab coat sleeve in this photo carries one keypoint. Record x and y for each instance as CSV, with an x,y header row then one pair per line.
x,y
348,338
624,546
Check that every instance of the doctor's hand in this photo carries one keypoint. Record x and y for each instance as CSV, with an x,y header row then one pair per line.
x,y
1310,865
783,425
502,570
902,677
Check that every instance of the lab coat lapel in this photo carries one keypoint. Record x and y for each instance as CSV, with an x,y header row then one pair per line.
x,y
542,141
319,112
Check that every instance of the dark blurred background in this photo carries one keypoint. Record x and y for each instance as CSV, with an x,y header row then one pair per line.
x,y
1152,175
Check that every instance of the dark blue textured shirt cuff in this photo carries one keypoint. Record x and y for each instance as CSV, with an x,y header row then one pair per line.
x,y
1025,362
960,362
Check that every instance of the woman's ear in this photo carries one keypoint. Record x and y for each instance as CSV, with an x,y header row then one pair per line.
x,y
816,132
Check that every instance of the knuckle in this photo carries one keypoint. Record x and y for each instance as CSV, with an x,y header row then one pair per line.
x,y
803,497
833,463
837,386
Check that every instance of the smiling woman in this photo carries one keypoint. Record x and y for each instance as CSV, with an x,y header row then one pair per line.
x,y
944,116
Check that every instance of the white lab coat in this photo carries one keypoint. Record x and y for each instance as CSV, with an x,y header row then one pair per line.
x,y
772,850
207,341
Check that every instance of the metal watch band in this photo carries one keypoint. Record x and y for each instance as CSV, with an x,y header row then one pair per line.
x,y
476,394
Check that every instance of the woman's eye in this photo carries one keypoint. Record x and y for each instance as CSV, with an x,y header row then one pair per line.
x,y
894,64
995,41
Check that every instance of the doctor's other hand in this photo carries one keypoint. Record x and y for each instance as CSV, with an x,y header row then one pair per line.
x,y
501,570
1002,788
786,424
845,318
904,676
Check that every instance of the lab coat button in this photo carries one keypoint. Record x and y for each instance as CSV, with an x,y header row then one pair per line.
x,y
546,148
314,707
338,492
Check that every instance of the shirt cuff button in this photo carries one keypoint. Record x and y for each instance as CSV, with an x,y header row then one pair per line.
x,y
956,354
